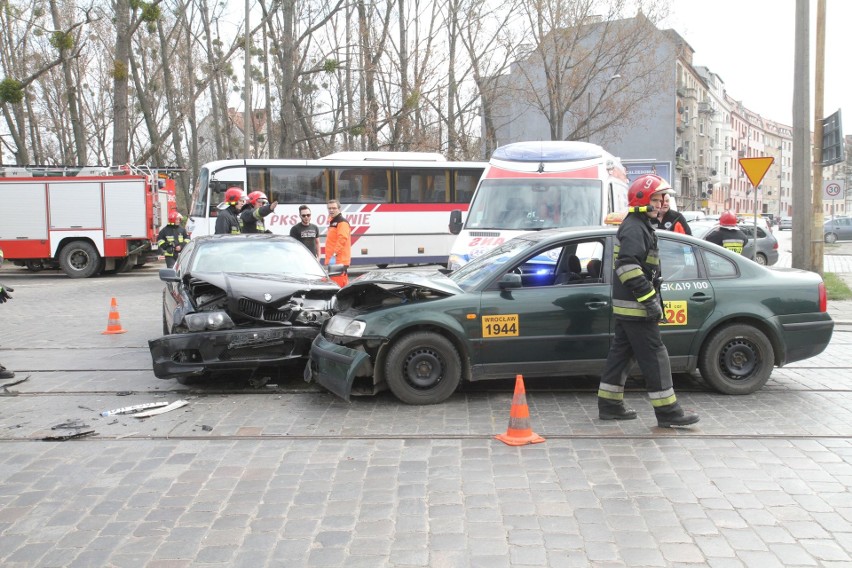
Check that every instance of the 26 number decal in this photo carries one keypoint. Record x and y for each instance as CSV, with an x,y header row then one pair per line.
x,y
675,312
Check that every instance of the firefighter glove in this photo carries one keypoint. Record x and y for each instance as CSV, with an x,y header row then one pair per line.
x,y
654,309
4,293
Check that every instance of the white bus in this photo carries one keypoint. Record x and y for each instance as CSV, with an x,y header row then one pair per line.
x,y
530,186
396,202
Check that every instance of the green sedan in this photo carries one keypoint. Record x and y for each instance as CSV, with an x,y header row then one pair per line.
x,y
541,305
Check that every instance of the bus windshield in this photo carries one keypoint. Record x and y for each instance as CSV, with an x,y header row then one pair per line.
x,y
533,204
199,194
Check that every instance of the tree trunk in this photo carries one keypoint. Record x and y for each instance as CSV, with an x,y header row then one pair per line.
x,y
79,157
120,74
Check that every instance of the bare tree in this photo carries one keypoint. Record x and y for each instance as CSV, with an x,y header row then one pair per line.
x,y
570,74
486,36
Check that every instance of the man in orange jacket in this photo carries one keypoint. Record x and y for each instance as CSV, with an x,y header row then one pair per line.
x,y
338,244
670,220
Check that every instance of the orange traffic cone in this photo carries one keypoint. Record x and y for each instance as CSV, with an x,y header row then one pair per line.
x,y
114,322
519,432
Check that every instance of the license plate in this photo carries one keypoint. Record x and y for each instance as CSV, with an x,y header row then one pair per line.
x,y
256,337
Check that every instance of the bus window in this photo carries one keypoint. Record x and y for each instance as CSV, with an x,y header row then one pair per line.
x,y
421,186
362,185
298,184
217,193
465,183
257,180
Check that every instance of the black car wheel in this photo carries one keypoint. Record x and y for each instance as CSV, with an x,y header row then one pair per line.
x,y
737,359
423,368
760,258
830,237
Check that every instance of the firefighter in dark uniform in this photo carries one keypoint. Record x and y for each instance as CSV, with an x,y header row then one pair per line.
x,y
5,297
728,235
228,220
253,212
638,309
172,239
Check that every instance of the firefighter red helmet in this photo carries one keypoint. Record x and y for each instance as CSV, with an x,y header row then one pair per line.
x,y
255,196
728,219
641,190
233,195
174,217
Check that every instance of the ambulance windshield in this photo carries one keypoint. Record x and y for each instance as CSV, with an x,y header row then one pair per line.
x,y
534,204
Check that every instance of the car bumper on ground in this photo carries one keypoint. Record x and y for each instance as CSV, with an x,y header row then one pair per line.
x,y
194,354
335,367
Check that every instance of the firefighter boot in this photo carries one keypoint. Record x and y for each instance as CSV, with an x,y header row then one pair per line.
x,y
4,374
614,410
673,415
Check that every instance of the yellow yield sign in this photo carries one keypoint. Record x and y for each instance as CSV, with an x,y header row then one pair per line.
x,y
756,168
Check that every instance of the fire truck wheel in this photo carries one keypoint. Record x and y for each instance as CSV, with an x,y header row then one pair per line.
x,y
35,265
80,259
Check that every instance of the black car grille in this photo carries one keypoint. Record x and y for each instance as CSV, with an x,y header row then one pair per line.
x,y
260,311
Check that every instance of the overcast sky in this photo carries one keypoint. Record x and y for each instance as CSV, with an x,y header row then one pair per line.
x,y
750,44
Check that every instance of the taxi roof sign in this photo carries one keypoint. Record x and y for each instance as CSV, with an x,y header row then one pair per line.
x,y
756,168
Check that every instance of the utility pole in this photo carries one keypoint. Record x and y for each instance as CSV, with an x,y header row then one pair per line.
x,y
817,246
801,194
247,114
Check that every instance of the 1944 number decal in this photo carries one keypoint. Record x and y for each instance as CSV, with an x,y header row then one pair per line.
x,y
504,325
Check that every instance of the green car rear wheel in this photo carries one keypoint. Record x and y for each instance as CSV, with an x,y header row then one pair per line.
x,y
737,359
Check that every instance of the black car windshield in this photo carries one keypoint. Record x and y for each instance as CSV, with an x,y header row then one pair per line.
x,y
484,267
256,257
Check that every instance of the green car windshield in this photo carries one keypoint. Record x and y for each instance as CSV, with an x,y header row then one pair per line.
x,y
484,267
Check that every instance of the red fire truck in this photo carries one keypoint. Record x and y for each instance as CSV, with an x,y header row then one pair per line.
x,y
86,220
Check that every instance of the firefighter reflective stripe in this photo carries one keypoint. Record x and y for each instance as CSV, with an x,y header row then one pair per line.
x,y
734,245
629,271
259,225
629,308
611,392
647,296
662,398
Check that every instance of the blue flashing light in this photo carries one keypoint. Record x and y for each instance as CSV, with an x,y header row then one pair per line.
x,y
548,151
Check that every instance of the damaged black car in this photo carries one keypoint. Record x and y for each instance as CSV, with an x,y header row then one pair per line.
x,y
240,304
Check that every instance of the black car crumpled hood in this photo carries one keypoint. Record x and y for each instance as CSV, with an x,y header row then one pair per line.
x,y
279,287
375,288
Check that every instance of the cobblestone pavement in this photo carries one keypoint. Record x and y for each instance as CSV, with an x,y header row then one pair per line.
x,y
291,476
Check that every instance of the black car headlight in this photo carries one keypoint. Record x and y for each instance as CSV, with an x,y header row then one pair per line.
x,y
345,326
208,320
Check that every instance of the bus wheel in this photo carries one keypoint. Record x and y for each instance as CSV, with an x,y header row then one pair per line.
x,y
382,266
80,259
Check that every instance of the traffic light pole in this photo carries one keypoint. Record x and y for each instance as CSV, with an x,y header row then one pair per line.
x,y
817,238
801,174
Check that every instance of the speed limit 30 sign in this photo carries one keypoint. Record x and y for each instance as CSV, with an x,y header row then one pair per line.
x,y
833,188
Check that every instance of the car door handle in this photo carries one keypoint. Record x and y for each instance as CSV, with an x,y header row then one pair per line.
x,y
597,304
700,297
